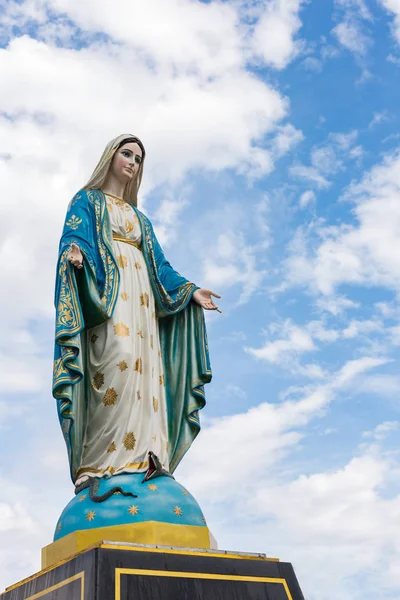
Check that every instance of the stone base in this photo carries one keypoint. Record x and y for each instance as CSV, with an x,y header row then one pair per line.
x,y
116,571
148,533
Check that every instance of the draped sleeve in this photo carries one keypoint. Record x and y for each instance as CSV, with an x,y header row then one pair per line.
x,y
83,298
184,345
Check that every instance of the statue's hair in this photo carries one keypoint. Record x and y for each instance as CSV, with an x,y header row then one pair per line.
x,y
101,171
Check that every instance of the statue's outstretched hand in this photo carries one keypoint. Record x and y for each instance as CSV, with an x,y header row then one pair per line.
x,y
75,256
203,297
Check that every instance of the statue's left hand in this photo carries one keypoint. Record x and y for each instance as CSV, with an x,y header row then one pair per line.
x,y
203,297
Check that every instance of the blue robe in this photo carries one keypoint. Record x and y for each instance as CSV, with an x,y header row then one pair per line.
x,y
86,297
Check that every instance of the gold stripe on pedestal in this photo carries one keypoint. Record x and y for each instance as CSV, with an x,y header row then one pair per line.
x,y
197,575
149,532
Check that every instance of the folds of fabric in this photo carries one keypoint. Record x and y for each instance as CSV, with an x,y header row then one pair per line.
x,y
85,298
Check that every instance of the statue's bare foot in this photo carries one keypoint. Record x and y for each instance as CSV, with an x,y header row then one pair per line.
x,y
81,480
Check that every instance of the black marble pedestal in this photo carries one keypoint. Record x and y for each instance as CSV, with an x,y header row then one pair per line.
x,y
113,571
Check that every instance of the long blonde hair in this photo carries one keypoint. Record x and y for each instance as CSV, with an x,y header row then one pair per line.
x,y
100,173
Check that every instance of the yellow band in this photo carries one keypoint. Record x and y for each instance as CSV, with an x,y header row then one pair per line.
x,y
118,238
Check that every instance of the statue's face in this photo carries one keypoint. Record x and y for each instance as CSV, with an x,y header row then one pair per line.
x,y
126,162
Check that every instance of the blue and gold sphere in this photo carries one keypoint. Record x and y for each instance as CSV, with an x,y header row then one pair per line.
x,y
162,499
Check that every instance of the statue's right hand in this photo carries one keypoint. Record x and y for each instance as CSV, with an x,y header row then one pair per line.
x,y
75,256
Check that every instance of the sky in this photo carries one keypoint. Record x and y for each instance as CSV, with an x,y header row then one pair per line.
x,y
272,176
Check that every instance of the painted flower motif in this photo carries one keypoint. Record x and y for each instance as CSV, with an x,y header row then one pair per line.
x,y
122,261
130,441
121,329
122,366
98,380
112,448
144,299
110,397
125,296
74,222
129,226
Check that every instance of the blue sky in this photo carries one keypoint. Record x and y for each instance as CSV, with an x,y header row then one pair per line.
x,y
272,176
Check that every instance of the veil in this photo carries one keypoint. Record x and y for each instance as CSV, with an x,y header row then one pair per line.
x,y
100,173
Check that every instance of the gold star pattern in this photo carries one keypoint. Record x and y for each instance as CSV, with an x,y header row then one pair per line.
x,y
93,338
166,445
144,299
138,366
98,380
59,526
138,266
133,510
184,492
139,397
90,516
129,226
204,519
129,441
154,315
152,487
162,380
110,397
122,261
125,296
121,329
140,333
82,498
159,353
155,404
178,511
122,366
112,448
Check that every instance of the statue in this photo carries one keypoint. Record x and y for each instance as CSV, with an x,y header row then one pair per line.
x,y
131,354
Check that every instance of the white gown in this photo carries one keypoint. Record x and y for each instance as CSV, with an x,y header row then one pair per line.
x,y
127,413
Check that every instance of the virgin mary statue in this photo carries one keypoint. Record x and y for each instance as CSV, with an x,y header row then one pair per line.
x,y
131,355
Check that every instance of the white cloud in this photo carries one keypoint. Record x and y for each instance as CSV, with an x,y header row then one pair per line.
x,y
351,36
274,35
393,8
356,328
308,197
295,341
328,158
355,254
378,118
336,305
351,31
382,430
310,63
310,174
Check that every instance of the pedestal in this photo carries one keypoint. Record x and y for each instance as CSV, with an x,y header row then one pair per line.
x,y
114,571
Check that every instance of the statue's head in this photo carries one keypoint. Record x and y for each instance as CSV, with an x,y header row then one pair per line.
x,y
123,159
